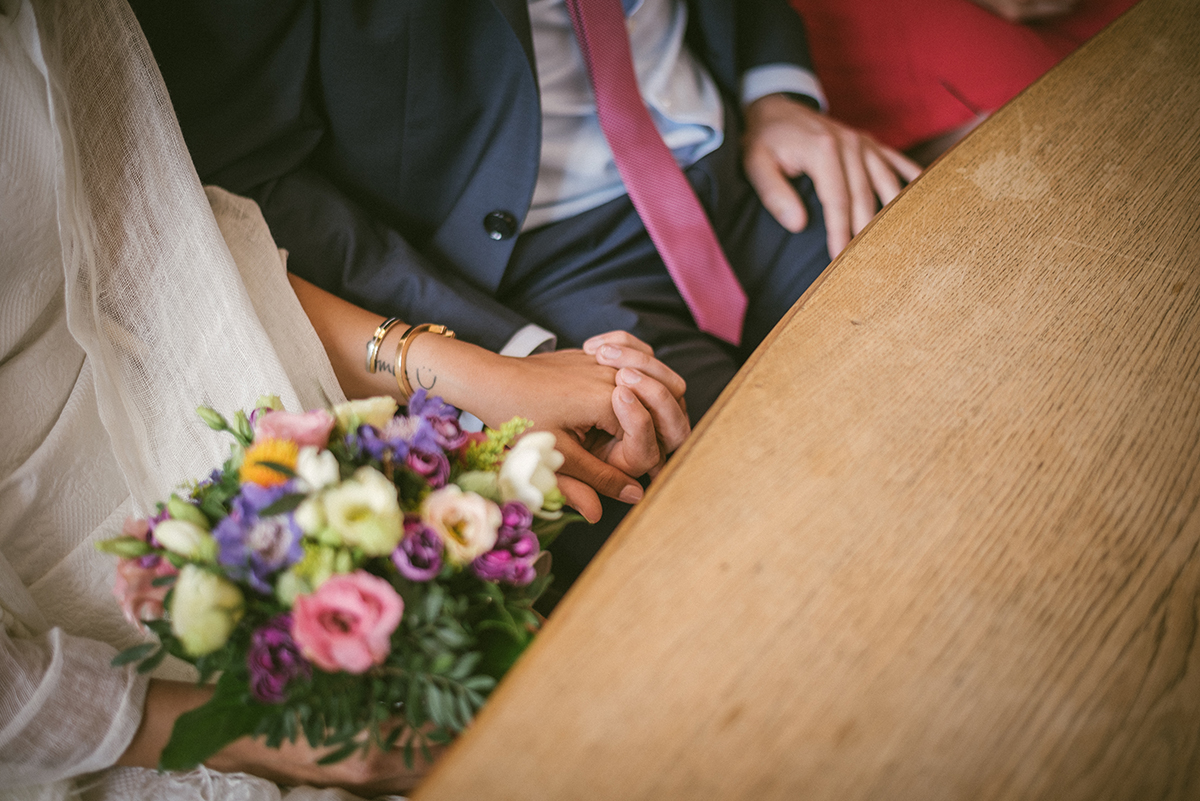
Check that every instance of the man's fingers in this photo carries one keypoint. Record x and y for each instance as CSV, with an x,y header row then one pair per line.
x,y
596,473
638,451
858,183
775,190
670,418
901,164
625,358
621,339
884,181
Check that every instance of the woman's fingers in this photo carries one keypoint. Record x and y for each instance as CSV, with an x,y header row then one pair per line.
x,y
580,497
601,476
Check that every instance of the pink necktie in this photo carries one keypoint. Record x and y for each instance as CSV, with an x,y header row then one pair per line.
x,y
661,194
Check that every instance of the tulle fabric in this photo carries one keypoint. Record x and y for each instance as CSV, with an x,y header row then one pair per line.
x,y
128,296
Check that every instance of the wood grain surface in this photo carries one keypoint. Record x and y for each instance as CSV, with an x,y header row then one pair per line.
x,y
941,537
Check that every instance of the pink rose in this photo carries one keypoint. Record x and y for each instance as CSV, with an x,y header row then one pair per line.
x,y
139,598
347,623
310,428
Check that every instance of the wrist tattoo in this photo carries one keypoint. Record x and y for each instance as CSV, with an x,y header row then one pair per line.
x,y
432,379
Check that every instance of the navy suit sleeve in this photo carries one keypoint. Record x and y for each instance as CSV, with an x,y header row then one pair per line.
x,y
770,32
338,246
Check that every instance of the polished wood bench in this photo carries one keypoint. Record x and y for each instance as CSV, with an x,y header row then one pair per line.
x,y
940,539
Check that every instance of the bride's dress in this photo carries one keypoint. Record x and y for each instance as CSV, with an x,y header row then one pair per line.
x,y
125,302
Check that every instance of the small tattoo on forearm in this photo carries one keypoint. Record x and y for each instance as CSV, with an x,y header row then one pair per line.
x,y
386,367
421,381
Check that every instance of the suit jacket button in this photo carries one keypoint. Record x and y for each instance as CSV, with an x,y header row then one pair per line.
x,y
500,225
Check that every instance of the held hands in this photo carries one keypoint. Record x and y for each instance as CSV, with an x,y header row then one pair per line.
x,y
849,170
615,411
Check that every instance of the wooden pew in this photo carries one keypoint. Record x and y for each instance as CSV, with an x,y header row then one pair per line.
x,y
941,537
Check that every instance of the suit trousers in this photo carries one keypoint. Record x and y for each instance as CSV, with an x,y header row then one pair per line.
x,y
599,271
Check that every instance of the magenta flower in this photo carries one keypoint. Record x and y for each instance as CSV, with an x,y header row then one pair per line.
x,y
418,557
274,660
432,465
511,560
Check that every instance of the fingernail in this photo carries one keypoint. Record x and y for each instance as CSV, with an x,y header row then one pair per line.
x,y
627,376
631,494
625,395
610,352
591,346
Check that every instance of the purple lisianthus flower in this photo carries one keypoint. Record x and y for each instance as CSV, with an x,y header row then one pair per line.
x,y
274,660
369,439
431,464
418,557
253,547
442,417
396,440
517,548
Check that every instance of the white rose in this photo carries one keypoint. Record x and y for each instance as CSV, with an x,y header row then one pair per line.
x,y
527,474
466,522
186,539
204,610
317,468
364,512
370,411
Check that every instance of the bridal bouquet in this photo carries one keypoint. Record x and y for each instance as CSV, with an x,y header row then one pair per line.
x,y
358,576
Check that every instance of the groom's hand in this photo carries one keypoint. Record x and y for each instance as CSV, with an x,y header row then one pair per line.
x,y
851,172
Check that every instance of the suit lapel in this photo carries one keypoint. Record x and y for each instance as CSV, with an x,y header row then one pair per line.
x,y
516,12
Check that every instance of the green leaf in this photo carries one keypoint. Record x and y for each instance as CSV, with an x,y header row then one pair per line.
x,y
339,754
465,665
481,684
439,710
433,603
439,737
281,469
163,581
203,731
465,711
153,662
285,504
133,654
442,663
452,636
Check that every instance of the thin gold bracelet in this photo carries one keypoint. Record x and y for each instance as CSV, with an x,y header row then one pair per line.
x,y
377,340
402,347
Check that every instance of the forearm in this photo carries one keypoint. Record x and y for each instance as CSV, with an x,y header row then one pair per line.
x,y
291,764
463,374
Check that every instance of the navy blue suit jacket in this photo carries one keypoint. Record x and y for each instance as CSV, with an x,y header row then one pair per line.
x,y
394,146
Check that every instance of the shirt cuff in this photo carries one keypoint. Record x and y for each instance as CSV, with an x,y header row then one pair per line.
x,y
788,78
528,339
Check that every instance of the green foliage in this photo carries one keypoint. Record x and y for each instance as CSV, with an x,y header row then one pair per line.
x,y
488,454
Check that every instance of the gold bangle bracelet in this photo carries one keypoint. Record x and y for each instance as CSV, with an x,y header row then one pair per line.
x,y
377,340
402,347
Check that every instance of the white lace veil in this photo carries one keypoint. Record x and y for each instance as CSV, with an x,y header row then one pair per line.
x,y
173,298
153,294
